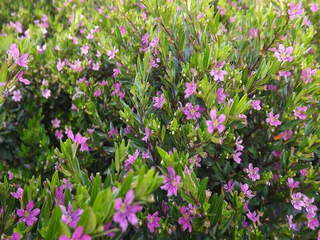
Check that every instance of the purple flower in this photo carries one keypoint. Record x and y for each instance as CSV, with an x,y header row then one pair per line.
x,y
256,105
153,221
77,235
15,236
70,217
106,228
147,134
22,60
58,134
296,200
60,64
300,112
253,216
229,185
292,184
28,215
314,7
286,135
117,90
131,159
313,223
195,160
237,157
112,53
171,183
191,89
159,100
215,122
221,95
307,75
284,74
18,194
253,173
23,80
79,139
59,195
185,219
16,96
55,123
284,54
245,189
126,212
295,10
46,93
191,112
292,226
217,73
273,120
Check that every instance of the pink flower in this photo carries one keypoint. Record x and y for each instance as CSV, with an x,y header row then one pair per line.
x,y
159,100
191,112
284,54
116,72
307,75
273,120
191,89
77,235
117,90
106,228
55,123
237,157
246,190
296,200
284,74
253,32
59,195
292,184
221,95
313,223
16,96
304,172
22,60
16,25
29,215
215,122
126,211
76,66
46,93
112,53
58,134
96,66
113,132
300,112
23,80
153,221
253,216
314,7
147,134
295,10
253,173
60,64
195,160
185,219
97,92
78,139
217,73
131,159
70,217
286,135
256,105
84,49
18,194
15,236
229,185
171,183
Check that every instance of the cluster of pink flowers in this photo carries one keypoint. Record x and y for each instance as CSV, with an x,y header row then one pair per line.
x,y
191,112
21,60
159,100
238,151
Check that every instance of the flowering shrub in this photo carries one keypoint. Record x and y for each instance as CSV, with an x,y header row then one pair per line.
x,y
163,119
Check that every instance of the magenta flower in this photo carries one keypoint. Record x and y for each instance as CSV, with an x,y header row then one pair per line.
x,y
191,112
59,195
117,90
253,172
23,80
314,7
253,216
126,212
153,221
253,32
246,190
16,96
292,184
70,217
296,200
215,122
191,89
15,236
195,160
112,53
131,159
147,134
286,135
273,120
78,139
107,228
185,219
300,112
237,157
28,215
221,95
14,53
256,105
77,235
55,123
18,194
295,10
84,49
217,73
284,74
313,223
58,134
284,54
307,75
159,100
229,185
171,183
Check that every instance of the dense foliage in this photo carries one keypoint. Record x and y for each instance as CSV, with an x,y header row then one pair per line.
x,y
159,119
